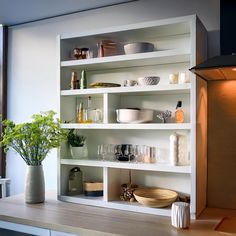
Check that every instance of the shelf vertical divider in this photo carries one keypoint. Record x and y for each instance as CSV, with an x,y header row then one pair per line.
x,y
113,104
113,183
105,184
105,108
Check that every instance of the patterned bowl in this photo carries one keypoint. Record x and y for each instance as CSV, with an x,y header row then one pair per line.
x,y
149,80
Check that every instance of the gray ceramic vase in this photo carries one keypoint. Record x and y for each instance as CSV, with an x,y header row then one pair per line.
x,y
34,185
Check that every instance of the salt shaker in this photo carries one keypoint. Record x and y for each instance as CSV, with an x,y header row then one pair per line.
x,y
174,149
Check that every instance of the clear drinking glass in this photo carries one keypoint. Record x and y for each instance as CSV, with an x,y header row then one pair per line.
x,y
140,153
111,152
117,151
102,151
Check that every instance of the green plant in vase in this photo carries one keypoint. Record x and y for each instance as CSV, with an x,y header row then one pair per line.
x,y
33,141
77,144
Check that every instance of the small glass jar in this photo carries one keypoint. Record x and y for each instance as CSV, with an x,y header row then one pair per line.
x,y
77,53
84,53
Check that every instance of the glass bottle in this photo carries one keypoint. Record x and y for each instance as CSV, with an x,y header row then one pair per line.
x,y
83,80
80,113
179,114
74,82
88,111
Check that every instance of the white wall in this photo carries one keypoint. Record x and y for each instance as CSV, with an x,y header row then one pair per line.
x,y
33,60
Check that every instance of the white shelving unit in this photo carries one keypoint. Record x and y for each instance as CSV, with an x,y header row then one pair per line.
x,y
175,42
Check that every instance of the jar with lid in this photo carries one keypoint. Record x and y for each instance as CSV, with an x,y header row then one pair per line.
x,y
75,181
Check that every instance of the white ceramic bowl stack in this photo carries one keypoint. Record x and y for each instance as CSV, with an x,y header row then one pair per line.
x,y
148,80
134,115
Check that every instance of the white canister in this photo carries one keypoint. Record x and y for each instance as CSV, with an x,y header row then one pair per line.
x,y
173,78
180,215
174,149
183,77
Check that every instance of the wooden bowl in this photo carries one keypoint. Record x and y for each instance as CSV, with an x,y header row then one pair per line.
x,y
155,197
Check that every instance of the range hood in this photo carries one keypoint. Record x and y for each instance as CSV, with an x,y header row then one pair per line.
x,y
222,67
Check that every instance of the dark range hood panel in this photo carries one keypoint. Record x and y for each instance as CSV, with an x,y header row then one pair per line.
x,y
222,67
217,68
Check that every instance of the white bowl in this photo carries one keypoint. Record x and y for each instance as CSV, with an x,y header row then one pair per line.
x,y
132,48
148,80
134,115
127,115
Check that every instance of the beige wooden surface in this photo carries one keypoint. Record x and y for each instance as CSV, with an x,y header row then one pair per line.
x,y
201,124
222,144
201,155
87,220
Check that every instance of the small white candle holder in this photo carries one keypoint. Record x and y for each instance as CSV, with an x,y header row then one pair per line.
x,y
180,215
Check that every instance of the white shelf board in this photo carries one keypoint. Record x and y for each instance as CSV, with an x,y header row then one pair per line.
x,y
131,60
82,199
146,126
135,90
128,165
157,28
119,205
137,207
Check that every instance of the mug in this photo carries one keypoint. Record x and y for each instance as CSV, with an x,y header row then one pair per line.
x,y
130,82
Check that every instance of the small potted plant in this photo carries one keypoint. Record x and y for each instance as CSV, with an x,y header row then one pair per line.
x,y
77,144
33,141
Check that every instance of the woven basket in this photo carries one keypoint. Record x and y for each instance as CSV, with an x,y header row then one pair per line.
x,y
155,197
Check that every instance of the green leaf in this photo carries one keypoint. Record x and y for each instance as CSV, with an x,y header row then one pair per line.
x,y
33,140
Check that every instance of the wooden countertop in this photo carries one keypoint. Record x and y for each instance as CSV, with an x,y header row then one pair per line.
x,y
89,220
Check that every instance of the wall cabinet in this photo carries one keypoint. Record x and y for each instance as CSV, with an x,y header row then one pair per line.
x,y
179,44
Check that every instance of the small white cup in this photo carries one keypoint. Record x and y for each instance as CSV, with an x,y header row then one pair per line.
x,y
130,82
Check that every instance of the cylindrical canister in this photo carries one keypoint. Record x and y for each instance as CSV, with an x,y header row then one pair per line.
x,y
174,149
